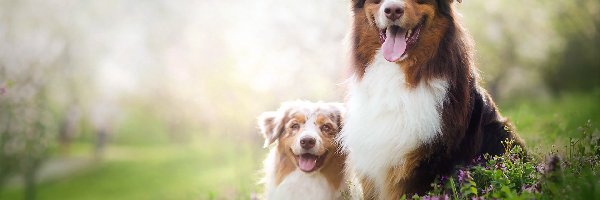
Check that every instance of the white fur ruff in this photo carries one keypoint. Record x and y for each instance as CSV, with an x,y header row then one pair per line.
x,y
297,185
386,120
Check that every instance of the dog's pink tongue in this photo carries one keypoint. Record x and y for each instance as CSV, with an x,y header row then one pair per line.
x,y
394,45
307,162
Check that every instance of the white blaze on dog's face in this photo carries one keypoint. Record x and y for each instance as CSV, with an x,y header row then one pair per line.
x,y
305,132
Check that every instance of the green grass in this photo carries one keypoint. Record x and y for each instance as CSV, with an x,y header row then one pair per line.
x,y
202,170
142,164
552,122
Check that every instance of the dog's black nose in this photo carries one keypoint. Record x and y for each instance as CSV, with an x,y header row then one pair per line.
x,y
307,142
393,11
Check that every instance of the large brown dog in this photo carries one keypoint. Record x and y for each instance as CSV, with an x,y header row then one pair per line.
x,y
415,109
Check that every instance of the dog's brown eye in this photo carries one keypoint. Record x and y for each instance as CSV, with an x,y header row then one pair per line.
x,y
326,128
295,126
376,1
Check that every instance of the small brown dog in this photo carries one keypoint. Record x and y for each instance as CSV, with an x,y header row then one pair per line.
x,y
304,161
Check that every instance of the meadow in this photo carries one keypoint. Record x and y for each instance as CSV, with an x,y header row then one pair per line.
x,y
144,165
133,99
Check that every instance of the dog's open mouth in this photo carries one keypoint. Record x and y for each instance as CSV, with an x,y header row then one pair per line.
x,y
308,162
395,41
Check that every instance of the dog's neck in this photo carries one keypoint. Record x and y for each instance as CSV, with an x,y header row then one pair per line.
x,y
331,170
286,179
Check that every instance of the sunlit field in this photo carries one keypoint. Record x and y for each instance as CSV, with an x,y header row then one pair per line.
x,y
131,99
150,167
146,165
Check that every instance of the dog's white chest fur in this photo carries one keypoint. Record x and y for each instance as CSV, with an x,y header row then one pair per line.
x,y
297,184
300,185
385,119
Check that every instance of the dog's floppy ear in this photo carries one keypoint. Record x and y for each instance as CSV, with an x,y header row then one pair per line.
x,y
449,1
271,126
358,4
339,114
445,6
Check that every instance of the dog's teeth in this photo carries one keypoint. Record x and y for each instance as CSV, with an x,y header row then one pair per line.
x,y
409,33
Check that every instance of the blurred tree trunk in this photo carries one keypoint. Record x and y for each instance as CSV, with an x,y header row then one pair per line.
x,y
100,144
30,181
69,127
103,118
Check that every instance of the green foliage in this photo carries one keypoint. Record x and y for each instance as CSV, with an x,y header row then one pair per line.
x,y
575,66
27,126
517,175
576,177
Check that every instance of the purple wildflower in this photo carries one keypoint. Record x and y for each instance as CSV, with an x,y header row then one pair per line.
x,y
501,166
463,175
488,189
541,168
478,160
445,197
531,188
443,179
554,164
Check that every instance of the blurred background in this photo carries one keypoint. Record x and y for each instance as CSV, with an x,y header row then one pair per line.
x,y
133,99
